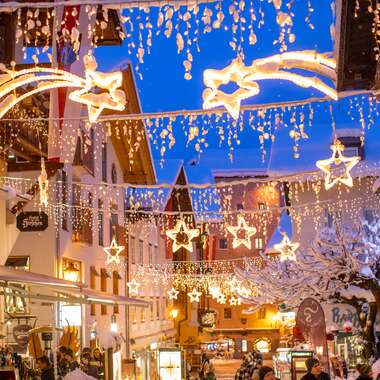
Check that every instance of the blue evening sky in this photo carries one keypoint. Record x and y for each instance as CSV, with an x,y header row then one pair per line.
x,y
163,88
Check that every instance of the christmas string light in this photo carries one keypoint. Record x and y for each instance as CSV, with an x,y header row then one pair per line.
x,y
182,236
133,287
49,78
43,184
242,233
246,77
113,252
194,295
286,248
331,165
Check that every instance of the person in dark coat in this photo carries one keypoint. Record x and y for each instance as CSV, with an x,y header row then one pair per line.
x,y
266,373
314,369
87,367
46,370
365,372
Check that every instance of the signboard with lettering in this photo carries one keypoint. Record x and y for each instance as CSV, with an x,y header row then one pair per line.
x,y
338,314
310,320
32,221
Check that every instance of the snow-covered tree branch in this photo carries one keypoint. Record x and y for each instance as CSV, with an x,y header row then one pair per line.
x,y
341,265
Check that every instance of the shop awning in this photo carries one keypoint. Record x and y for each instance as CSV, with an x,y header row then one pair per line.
x,y
56,289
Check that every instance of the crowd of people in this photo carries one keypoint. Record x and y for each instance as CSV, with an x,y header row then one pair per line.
x,y
91,363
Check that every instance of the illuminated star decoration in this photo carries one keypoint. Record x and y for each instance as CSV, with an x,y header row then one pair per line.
x,y
337,159
273,67
221,298
242,233
133,287
113,98
214,291
48,78
173,294
234,301
113,252
287,249
182,236
194,295
43,185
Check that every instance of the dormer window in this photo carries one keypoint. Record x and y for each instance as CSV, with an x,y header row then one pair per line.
x,y
352,143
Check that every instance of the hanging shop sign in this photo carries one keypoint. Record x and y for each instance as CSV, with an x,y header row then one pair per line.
x,y
338,315
20,334
32,221
207,318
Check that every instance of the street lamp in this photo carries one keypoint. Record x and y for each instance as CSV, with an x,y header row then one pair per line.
x,y
113,324
173,313
71,273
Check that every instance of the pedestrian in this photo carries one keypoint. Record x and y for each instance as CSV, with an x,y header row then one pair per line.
x,y
210,375
314,370
98,361
365,372
256,369
266,373
72,363
46,369
87,367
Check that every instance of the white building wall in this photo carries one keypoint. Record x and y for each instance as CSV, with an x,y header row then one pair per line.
x,y
315,207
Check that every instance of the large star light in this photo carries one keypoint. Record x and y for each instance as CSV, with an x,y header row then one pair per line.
x,y
274,67
242,233
113,252
332,165
133,287
182,236
194,295
287,249
221,298
173,294
48,78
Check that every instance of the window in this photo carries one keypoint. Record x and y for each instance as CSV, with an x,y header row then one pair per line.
x,y
262,313
328,219
259,243
64,200
114,221
163,307
104,162
100,223
141,252
227,313
244,345
158,308
368,215
113,174
115,289
223,243
103,287
133,314
239,206
142,315
150,252
351,151
132,250
93,274
262,206
151,308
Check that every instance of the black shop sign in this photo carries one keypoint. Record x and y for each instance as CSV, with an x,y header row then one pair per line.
x,y
32,221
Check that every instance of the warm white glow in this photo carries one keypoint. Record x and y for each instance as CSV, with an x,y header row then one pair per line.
x,y
43,184
113,252
221,298
194,295
174,313
333,162
242,233
287,249
49,78
214,291
133,287
173,294
182,236
273,67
